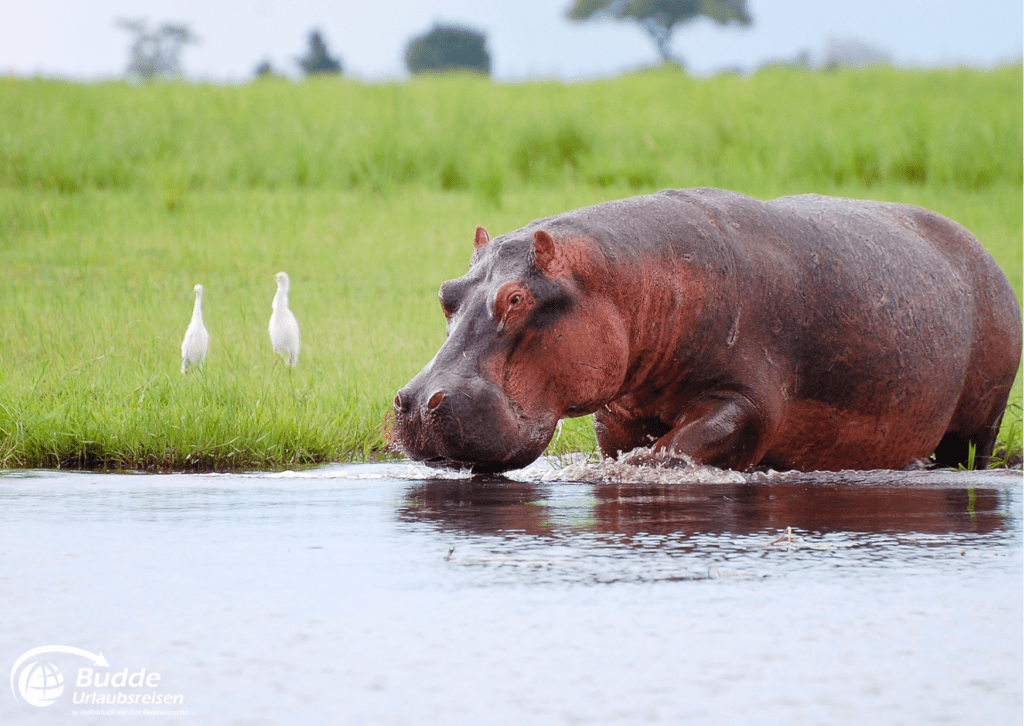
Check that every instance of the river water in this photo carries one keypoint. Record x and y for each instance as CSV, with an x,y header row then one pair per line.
x,y
392,594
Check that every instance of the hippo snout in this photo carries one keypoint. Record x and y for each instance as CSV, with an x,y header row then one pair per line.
x,y
463,423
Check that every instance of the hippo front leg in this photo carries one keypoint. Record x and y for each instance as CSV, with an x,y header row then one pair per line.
x,y
722,429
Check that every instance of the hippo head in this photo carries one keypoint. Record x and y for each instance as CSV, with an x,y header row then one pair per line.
x,y
532,338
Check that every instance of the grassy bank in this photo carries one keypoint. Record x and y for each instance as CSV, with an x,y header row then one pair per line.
x,y
115,200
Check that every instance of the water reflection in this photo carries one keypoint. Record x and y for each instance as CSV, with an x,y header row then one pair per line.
x,y
496,506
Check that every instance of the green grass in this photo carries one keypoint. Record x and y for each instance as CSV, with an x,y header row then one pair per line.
x,y
780,127
115,200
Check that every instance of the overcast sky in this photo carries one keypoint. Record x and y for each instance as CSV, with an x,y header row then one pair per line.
x,y
527,39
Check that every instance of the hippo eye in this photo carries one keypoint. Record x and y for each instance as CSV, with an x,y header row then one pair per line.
x,y
510,302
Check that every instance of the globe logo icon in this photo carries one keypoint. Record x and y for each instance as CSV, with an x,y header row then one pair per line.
x,y
41,683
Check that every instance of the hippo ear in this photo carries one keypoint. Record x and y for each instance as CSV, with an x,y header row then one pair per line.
x,y
543,250
481,239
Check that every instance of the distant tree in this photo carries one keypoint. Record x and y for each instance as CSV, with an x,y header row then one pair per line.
x,y
660,18
448,48
846,52
156,54
265,70
318,60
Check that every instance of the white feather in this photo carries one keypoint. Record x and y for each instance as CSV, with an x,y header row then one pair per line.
x,y
197,340
284,328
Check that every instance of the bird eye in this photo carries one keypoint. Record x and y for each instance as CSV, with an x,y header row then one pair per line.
x,y
515,299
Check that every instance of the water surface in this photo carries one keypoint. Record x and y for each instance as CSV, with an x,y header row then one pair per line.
x,y
394,594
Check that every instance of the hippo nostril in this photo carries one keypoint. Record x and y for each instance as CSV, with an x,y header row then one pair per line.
x,y
435,400
403,400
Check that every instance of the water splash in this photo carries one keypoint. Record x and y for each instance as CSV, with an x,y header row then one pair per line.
x,y
642,466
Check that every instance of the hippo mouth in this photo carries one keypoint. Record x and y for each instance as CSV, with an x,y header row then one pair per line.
x,y
477,467
472,427
443,462
440,462
527,444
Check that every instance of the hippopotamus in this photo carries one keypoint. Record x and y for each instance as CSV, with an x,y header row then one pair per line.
x,y
806,332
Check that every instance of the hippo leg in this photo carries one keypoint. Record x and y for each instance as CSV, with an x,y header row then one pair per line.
x,y
954,448
722,429
978,414
618,432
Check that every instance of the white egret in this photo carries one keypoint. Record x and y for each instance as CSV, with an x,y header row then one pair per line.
x,y
284,328
197,339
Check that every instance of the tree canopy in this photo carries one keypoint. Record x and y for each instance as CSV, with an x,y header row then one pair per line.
x,y
318,59
660,18
448,48
156,53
